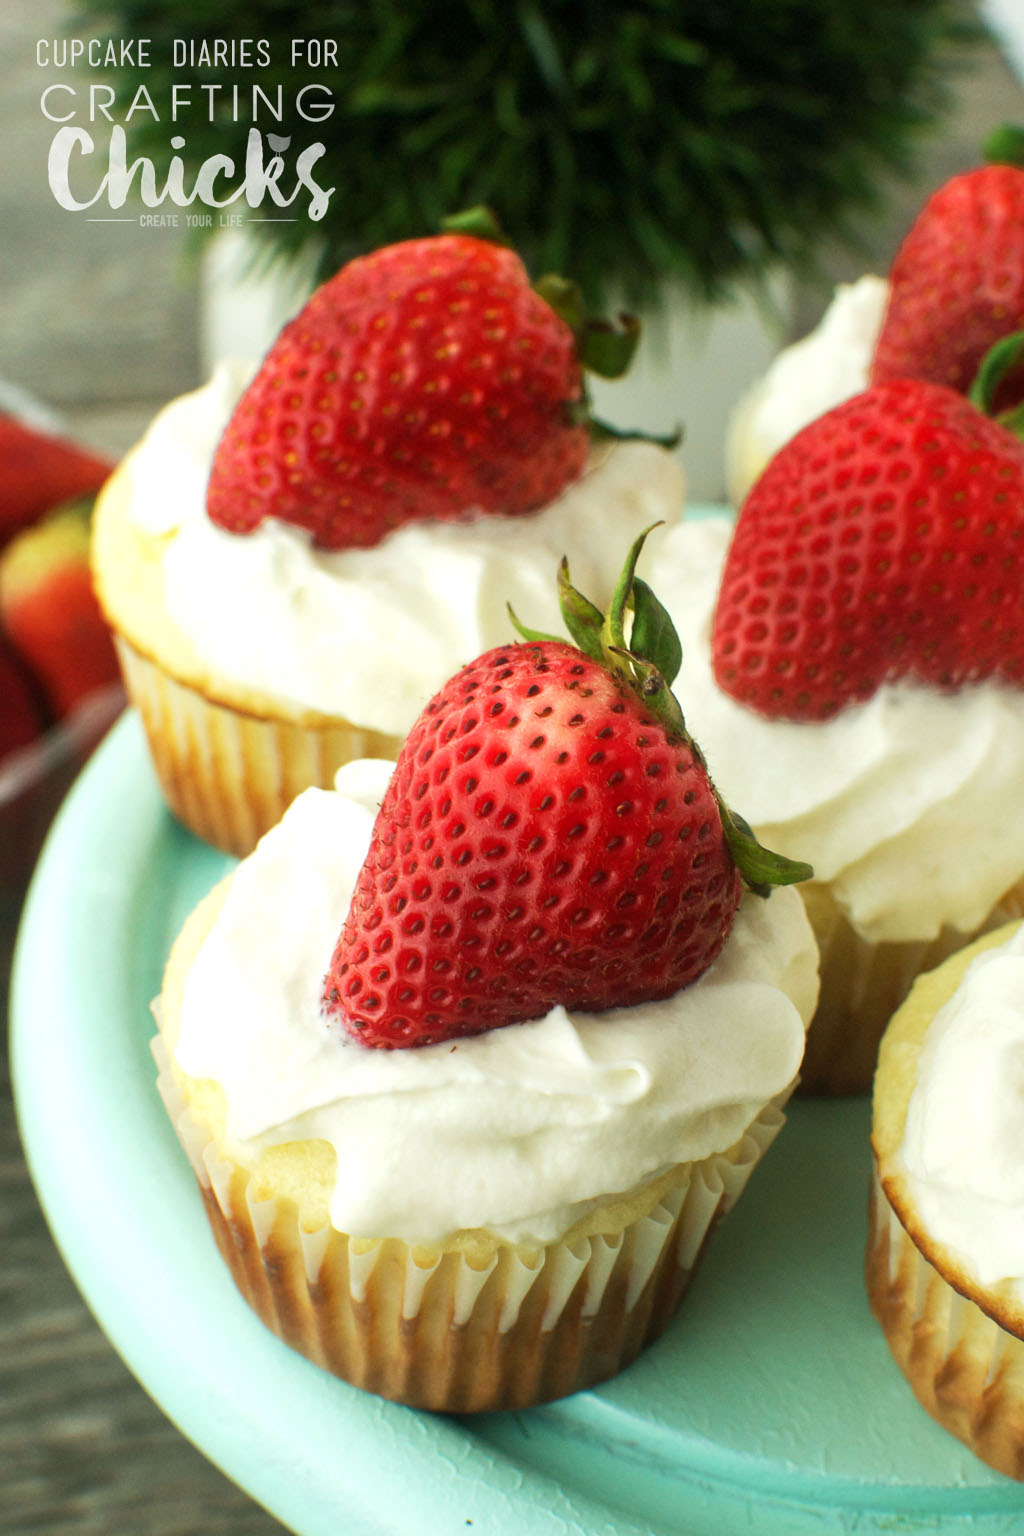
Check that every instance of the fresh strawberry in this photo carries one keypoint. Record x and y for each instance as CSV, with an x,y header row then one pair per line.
x,y
49,611
885,540
21,720
39,471
549,835
957,284
425,380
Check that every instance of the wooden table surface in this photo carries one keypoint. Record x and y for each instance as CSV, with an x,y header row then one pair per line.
x,y
83,1450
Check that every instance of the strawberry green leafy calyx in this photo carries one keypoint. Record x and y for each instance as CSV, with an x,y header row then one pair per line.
x,y
1001,360
545,839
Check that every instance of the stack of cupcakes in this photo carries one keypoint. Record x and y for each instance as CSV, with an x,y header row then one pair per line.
x,y
468,1154
503,1004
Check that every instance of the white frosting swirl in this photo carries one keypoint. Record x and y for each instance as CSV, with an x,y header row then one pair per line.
x,y
515,1130
910,807
370,635
805,380
961,1150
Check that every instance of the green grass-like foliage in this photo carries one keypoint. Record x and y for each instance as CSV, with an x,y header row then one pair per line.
x,y
703,140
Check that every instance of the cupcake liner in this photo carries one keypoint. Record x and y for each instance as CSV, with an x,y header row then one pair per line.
x,y
965,1368
468,1326
862,985
230,774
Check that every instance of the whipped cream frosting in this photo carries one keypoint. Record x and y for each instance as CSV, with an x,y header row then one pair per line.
x,y
961,1151
805,380
369,635
910,806
518,1130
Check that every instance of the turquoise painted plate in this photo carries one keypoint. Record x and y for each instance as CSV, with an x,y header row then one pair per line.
x,y
771,1404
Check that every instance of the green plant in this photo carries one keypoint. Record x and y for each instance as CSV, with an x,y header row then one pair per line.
x,y
702,140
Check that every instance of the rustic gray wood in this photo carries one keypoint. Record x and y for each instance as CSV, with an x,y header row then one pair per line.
x,y
83,1450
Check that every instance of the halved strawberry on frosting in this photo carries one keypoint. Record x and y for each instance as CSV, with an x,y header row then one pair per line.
x,y
885,541
427,379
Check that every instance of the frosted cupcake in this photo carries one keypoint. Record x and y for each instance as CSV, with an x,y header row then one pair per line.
x,y
470,1055
293,564
843,670
866,617
945,1259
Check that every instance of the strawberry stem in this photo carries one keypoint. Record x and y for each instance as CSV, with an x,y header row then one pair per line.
x,y
648,662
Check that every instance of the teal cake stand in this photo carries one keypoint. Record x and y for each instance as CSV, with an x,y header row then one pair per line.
x,y
771,1405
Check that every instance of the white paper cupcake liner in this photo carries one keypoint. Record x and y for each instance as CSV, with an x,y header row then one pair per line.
x,y
229,774
862,985
965,1368
492,1325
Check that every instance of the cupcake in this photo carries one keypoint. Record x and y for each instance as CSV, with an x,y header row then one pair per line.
x,y
853,654
945,1257
473,1051
292,564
